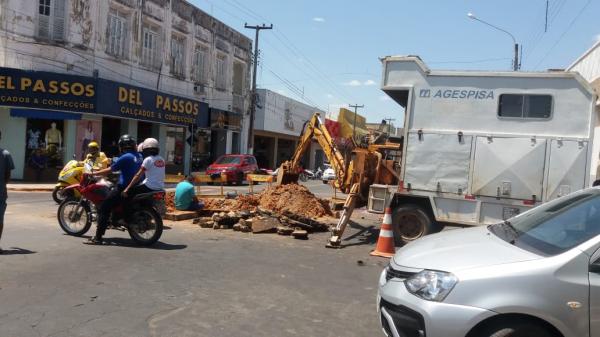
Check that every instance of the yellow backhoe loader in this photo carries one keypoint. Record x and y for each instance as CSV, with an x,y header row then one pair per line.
x,y
371,164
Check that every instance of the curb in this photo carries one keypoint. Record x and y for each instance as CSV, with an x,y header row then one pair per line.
x,y
18,189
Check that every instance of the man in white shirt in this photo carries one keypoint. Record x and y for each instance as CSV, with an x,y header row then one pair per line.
x,y
153,168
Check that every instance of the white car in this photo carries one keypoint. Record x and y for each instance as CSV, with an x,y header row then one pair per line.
x,y
328,175
535,275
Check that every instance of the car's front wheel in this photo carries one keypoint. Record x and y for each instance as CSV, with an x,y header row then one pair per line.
x,y
515,328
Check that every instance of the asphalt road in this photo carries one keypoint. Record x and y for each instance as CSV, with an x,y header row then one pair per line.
x,y
194,282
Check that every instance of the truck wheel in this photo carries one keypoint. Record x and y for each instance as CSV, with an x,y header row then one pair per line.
x,y
411,222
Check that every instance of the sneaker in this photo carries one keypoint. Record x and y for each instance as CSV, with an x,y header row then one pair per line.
x,y
93,241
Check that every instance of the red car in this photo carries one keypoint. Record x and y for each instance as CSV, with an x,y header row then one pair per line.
x,y
234,166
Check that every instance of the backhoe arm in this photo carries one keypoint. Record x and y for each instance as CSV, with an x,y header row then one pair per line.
x,y
288,172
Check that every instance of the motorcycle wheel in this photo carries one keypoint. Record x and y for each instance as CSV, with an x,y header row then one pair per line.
x,y
302,177
145,227
74,217
57,195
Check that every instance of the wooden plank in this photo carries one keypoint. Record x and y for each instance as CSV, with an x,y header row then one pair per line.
x,y
174,178
203,178
180,215
261,178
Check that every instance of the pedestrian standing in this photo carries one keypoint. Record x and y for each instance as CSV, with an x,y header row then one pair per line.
x,y
6,165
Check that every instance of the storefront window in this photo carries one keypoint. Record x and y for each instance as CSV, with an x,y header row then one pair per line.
x,y
201,150
44,149
175,148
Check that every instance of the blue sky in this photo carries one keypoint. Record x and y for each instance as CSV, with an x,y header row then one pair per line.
x,y
327,52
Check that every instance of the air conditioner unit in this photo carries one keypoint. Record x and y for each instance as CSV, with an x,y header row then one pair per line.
x,y
199,88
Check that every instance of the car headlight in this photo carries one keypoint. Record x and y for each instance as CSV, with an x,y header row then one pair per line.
x,y
431,285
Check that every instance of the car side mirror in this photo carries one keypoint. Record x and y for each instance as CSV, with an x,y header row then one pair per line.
x,y
594,268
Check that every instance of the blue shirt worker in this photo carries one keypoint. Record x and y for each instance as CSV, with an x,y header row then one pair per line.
x,y
185,196
128,164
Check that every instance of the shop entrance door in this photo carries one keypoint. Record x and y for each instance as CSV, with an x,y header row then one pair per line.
x,y
111,131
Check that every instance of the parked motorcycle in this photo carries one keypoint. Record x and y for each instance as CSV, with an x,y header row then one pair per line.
x,y
306,175
139,217
319,174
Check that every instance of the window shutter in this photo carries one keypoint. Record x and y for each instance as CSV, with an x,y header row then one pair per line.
x,y
44,26
58,24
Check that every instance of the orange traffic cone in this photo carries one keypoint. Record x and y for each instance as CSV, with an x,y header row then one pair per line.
x,y
385,242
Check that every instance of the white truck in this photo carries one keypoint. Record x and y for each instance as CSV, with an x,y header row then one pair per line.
x,y
481,147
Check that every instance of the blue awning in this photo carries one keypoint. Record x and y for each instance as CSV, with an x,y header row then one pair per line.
x,y
43,114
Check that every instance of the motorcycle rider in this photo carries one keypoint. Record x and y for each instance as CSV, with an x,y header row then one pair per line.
x,y
153,168
96,157
128,164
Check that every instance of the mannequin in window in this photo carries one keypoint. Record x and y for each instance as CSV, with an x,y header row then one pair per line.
x,y
88,136
33,139
53,137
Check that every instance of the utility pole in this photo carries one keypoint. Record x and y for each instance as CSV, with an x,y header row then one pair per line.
x,y
253,100
516,62
389,123
355,106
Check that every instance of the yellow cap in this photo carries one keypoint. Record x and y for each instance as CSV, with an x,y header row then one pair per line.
x,y
93,144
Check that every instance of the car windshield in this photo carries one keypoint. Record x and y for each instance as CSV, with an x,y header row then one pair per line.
x,y
555,227
229,160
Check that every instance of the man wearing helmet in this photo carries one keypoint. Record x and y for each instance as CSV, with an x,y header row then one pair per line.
x,y
128,164
97,158
153,169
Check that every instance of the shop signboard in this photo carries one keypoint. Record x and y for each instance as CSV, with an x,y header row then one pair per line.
x,y
351,124
127,101
46,90
222,119
72,93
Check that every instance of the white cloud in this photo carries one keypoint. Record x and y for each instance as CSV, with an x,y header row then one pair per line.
x,y
353,83
357,83
318,19
384,98
369,82
329,96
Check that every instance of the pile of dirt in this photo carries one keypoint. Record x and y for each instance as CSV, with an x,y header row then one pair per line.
x,y
293,198
170,201
219,204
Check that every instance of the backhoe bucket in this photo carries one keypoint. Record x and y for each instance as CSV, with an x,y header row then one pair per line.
x,y
286,175
284,178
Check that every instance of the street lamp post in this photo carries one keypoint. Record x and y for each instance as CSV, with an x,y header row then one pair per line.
x,y
516,64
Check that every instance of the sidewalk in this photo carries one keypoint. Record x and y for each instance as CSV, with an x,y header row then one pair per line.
x,y
18,186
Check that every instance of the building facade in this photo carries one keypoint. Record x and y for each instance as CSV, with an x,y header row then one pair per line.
x,y
278,124
588,65
75,71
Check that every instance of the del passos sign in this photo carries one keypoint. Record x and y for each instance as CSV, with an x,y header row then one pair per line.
x,y
45,90
54,91
134,102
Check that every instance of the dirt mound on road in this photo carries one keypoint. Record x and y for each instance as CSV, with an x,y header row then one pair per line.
x,y
293,198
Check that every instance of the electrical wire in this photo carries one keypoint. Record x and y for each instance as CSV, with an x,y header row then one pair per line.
x,y
581,11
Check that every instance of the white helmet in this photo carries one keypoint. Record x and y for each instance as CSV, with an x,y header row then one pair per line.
x,y
150,143
140,147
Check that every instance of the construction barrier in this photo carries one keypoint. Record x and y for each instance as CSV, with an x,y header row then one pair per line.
x,y
205,178
259,178
174,178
